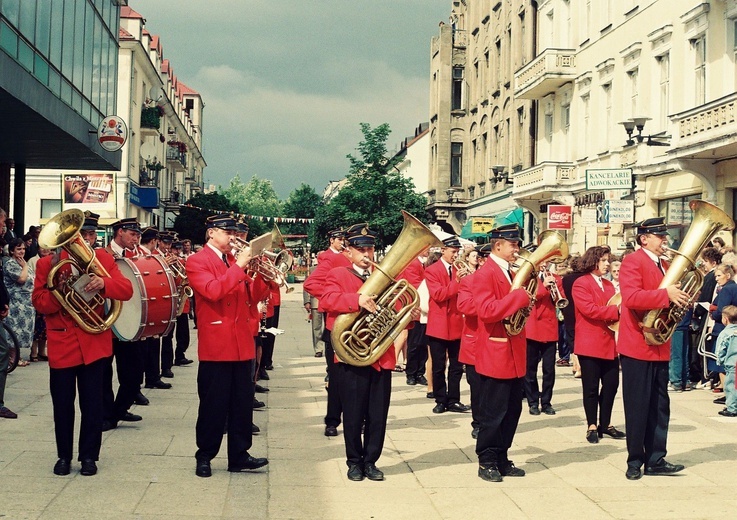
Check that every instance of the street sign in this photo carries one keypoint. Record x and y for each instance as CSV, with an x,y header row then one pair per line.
x,y
609,179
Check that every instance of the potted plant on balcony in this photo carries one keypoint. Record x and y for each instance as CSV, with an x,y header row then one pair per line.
x,y
151,115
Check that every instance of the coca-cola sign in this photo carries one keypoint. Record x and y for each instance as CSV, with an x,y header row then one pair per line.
x,y
559,217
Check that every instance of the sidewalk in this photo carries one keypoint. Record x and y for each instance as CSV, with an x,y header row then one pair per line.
x,y
146,469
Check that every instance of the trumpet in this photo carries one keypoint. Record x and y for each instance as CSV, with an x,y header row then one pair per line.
x,y
271,266
463,269
558,300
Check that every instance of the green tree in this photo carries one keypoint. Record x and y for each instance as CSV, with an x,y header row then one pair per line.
x,y
190,223
375,192
257,197
301,203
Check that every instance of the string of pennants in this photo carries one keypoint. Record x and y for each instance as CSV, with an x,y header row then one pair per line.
x,y
278,220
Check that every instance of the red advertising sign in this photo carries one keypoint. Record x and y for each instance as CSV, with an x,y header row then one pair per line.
x,y
559,217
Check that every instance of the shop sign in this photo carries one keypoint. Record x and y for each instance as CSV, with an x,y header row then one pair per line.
x,y
112,133
559,217
609,179
482,224
678,212
621,211
594,197
588,217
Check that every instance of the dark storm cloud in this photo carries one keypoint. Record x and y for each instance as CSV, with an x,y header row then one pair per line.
x,y
287,82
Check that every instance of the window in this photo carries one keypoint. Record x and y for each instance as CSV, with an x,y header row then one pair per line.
x,y
548,127
565,118
664,91
699,49
471,192
586,102
456,164
457,101
633,76
608,114
50,207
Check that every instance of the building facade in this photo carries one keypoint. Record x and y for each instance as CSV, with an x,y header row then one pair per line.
x,y
58,80
162,163
480,132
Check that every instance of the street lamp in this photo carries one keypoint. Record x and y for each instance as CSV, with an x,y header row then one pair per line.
x,y
650,140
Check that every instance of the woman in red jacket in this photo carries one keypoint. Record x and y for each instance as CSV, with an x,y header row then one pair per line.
x,y
596,350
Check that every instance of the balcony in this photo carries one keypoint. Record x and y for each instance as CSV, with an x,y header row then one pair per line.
x,y
707,129
547,72
176,157
544,181
144,196
190,177
150,121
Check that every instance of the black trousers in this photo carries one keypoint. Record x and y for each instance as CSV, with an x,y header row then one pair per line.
x,y
540,351
646,410
129,364
600,381
167,350
267,356
473,382
151,350
364,394
225,389
88,380
181,333
500,406
416,350
439,349
335,410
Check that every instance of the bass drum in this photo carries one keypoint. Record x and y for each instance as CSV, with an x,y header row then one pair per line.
x,y
152,310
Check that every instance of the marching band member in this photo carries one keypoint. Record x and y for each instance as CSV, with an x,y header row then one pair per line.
x,y
597,349
469,337
645,367
128,357
364,391
414,369
542,339
166,238
315,285
181,328
444,326
224,294
76,358
500,358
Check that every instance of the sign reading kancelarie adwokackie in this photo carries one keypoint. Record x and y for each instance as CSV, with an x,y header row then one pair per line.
x,y
609,179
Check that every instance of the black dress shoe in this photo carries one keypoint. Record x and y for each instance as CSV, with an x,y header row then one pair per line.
x,y
411,381
260,389
355,472
727,413
62,467
721,400
664,468
430,395
263,375
203,469
510,470
318,354
633,473
421,380
269,367
612,432
109,425
255,429
592,436
167,373
458,407
249,464
439,408
548,410
534,410
372,472
159,384
331,431
130,417
490,473
141,400
258,404
89,468
183,361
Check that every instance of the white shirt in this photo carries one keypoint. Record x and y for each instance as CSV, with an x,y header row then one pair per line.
x,y
503,264
598,281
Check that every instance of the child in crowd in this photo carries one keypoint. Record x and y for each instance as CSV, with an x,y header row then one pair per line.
x,y
727,357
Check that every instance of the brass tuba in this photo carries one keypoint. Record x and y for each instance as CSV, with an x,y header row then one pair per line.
x,y
551,247
63,231
659,324
361,338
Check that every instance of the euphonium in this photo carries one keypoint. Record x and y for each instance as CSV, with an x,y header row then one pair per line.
x,y
361,338
552,247
63,231
659,324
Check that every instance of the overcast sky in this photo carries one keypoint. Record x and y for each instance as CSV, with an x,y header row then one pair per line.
x,y
287,82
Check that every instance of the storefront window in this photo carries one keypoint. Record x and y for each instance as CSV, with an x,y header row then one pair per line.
x,y
678,217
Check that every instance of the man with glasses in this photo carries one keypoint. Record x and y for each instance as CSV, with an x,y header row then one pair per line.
x,y
224,294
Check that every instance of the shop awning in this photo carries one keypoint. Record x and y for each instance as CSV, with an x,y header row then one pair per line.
x,y
478,227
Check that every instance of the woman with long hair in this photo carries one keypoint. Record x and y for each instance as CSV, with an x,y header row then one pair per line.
x,y
595,345
726,295
21,316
